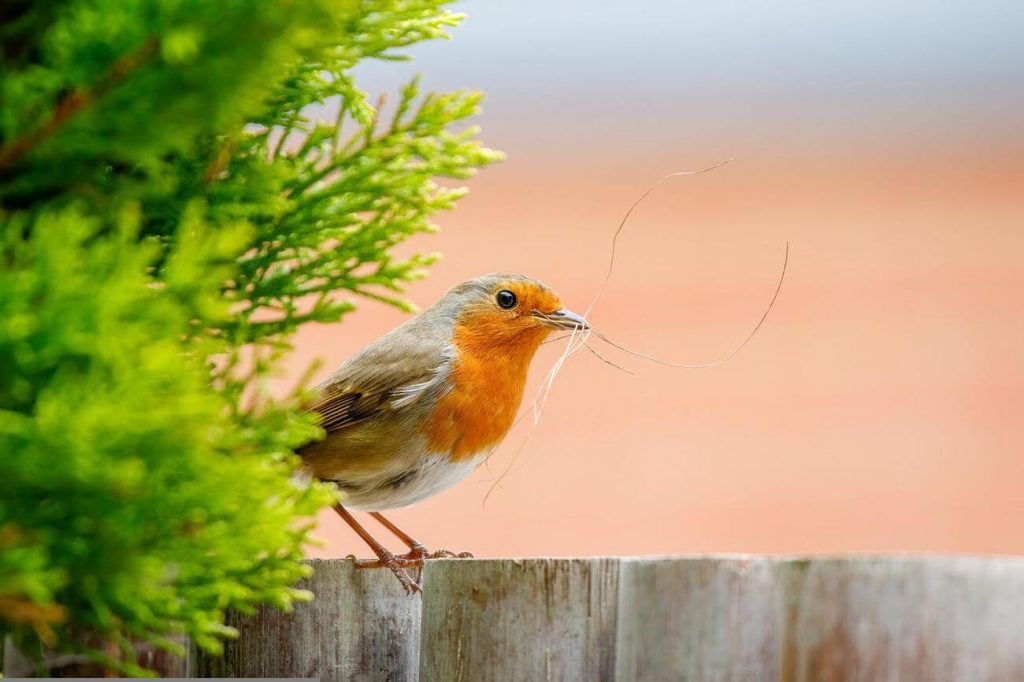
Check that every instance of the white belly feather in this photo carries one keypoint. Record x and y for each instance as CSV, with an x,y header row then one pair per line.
x,y
431,474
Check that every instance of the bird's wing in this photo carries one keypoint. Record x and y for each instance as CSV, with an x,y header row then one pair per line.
x,y
377,382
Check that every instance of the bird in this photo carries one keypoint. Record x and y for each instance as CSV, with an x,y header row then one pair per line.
x,y
419,409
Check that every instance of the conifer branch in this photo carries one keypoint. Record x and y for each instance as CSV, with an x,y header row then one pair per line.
x,y
74,102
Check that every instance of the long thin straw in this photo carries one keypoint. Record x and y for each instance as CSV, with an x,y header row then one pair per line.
x,y
622,224
724,359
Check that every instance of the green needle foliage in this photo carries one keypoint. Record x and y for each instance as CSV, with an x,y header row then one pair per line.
x,y
169,217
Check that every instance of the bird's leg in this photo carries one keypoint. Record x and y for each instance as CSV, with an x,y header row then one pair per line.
x,y
417,551
385,558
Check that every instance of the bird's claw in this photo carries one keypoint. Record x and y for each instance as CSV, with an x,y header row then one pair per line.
x,y
414,558
395,564
448,554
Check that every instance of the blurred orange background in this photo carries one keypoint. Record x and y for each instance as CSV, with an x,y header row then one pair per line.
x,y
879,408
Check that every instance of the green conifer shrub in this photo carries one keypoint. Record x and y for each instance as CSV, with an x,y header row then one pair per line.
x,y
168,219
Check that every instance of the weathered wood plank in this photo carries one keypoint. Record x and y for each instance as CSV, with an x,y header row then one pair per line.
x,y
886,619
714,620
361,626
796,620
509,620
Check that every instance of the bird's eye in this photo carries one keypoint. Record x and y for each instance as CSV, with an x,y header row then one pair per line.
x,y
506,299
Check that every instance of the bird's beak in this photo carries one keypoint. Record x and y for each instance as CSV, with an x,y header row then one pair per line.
x,y
563,319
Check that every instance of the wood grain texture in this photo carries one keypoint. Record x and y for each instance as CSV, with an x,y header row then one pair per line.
x,y
936,619
508,619
713,619
360,626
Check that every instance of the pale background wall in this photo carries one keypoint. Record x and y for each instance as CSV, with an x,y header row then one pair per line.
x,y
880,407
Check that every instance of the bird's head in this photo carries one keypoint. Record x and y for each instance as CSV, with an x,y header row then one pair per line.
x,y
505,310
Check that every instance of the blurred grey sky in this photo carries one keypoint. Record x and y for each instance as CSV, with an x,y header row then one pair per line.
x,y
918,68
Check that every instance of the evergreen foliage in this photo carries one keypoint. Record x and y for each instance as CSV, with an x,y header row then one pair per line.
x,y
168,218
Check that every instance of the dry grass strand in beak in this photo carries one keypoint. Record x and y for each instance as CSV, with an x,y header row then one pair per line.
x,y
541,397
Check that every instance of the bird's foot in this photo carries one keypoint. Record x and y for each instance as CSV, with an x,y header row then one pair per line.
x,y
397,566
413,558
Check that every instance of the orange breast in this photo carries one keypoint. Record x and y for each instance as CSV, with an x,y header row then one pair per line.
x,y
488,377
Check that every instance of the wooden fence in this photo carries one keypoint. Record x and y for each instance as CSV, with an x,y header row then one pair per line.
x,y
709,619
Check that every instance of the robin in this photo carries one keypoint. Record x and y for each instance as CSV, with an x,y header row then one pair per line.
x,y
422,407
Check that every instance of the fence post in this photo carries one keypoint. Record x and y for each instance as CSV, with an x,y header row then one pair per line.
x,y
530,619
361,625
714,619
